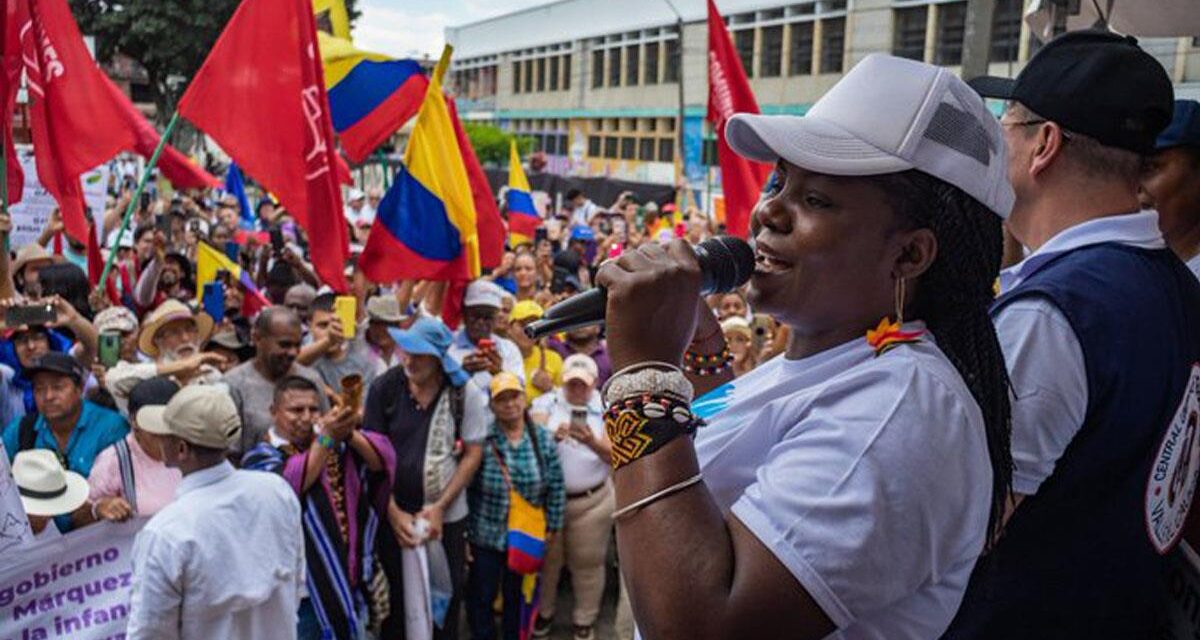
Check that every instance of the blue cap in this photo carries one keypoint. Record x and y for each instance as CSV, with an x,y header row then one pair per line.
x,y
429,337
582,232
1184,129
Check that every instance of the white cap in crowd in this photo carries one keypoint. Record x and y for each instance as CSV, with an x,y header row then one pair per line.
x,y
580,366
199,414
482,293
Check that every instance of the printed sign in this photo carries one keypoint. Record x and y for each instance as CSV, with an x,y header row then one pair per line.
x,y
14,526
74,586
29,216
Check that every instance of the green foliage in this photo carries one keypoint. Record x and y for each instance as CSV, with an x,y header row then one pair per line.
x,y
491,143
170,38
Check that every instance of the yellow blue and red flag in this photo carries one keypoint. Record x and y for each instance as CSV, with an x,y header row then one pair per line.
x,y
370,95
210,262
523,218
425,226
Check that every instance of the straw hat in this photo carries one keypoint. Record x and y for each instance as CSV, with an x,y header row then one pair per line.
x,y
31,253
167,312
46,488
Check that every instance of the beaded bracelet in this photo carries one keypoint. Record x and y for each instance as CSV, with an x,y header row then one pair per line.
x,y
639,426
647,381
326,441
704,365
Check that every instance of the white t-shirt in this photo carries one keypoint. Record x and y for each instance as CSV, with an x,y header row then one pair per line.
x,y
868,478
582,468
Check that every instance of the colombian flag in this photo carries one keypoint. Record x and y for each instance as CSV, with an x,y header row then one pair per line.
x,y
370,95
523,218
209,261
425,225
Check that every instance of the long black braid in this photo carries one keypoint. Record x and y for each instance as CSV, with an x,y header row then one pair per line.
x,y
953,296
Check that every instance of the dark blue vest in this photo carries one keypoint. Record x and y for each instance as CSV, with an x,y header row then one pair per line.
x,y
1077,559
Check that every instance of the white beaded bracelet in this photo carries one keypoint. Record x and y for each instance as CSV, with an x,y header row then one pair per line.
x,y
648,381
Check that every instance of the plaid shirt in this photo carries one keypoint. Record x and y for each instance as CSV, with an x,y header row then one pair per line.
x,y
488,494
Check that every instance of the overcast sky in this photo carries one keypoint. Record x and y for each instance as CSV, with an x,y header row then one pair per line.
x,y
414,28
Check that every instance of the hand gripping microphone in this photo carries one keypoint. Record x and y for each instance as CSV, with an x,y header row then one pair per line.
x,y
726,263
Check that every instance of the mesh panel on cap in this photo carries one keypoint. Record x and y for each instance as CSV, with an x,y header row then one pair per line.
x,y
960,131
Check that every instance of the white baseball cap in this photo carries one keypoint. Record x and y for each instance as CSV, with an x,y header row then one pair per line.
x,y
200,414
580,366
889,115
482,293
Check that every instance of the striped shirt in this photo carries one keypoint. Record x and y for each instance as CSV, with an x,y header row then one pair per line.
x,y
539,483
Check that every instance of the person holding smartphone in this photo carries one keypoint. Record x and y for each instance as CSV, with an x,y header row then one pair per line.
x,y
574,413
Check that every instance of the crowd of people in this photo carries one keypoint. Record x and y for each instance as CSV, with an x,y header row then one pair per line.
x,y
870,487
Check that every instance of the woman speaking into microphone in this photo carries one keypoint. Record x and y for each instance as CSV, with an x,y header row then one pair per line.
x,y
846,488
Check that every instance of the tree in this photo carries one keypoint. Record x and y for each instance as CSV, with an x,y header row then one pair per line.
x,y
169,38
491,143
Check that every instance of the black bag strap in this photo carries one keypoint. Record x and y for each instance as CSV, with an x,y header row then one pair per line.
x,y
26,434
125,462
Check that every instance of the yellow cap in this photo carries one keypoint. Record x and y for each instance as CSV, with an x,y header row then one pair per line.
x,y
505,381
527,310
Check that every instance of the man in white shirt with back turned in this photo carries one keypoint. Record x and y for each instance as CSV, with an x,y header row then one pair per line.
x,y
225,559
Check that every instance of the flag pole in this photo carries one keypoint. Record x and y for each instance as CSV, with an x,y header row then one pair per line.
x,y
4,185
137,195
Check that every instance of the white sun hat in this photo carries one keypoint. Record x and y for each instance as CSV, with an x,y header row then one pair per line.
x,y
46,488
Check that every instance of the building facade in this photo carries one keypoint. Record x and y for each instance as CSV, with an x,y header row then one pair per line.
x,y
596,82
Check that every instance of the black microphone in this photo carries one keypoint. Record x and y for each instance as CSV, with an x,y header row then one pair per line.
x,y
726,263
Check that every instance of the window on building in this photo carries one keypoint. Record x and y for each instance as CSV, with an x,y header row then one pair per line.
x,y
566,65
908,34
553,73
1006,31
671,70
598,68
527,76
516,73
594,146
801,53
666,150
650,74
743,41
772,52
710,152
610,147
540,74
951,27
614,67
632,65
651,124
833,44
646,149
628,148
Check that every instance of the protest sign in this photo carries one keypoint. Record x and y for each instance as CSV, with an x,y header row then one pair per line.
x,y
14,526
75,586
29,216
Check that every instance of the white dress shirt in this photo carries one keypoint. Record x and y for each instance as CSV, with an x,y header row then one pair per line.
x,y
224,560
510,357
867,477
582,468
1043,355
1193,265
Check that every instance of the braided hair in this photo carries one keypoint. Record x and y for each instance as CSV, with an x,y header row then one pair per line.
x,y
953,297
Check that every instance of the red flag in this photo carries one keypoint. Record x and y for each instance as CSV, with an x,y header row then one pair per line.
x,y
487,215
265,104
95,261
729,93
77,124
10,80
176,167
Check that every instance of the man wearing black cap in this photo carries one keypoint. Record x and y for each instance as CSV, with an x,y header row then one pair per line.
x,y
1098,330
1171,183
73,428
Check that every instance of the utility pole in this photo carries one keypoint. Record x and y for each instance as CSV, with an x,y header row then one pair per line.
x,y
977,38
679,160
